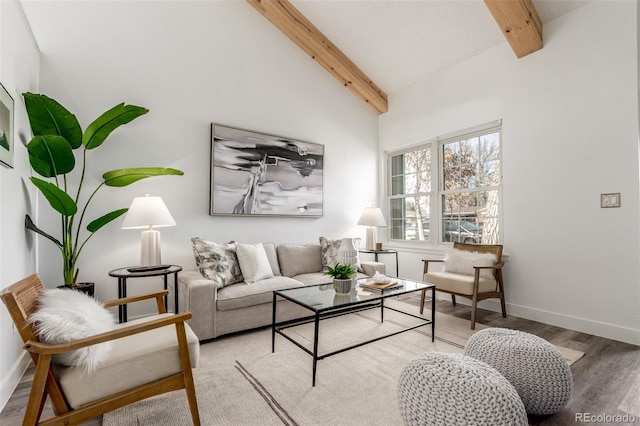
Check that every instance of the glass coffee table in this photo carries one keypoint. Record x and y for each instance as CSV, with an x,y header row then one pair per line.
x,y
320,301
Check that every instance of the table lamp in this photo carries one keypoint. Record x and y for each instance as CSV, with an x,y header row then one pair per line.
x,y
148,212
372,218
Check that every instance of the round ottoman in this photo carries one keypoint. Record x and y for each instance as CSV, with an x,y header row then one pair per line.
x,y
439,389
533,366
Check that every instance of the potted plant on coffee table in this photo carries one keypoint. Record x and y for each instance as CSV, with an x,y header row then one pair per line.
x,y
56,134
342,277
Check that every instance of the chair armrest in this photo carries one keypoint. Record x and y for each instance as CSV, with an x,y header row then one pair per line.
x,y
50,349
158,295
498,265
426,264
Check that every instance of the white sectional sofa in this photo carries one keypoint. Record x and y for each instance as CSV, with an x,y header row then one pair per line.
x,y
222,302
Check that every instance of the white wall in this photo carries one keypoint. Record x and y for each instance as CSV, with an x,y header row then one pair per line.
x,y
193,63
570,133
19,72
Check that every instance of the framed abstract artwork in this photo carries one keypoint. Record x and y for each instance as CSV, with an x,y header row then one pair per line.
x,y
6,127
257,174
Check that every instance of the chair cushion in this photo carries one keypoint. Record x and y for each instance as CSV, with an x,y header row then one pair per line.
x,y
132,361
459,283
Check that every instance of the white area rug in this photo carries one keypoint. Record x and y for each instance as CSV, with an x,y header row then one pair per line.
x,y
240,382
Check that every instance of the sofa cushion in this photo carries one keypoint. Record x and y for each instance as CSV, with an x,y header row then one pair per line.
x,y
272,255
254,262
296,259
217,262
241,295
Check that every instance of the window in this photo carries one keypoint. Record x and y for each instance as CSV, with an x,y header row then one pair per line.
x,y
448,189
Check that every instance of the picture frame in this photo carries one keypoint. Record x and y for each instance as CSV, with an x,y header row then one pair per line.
x,y
610,200
6,128
259,174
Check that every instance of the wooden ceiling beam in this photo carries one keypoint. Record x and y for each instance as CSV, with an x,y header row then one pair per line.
x,y
520,24
302,32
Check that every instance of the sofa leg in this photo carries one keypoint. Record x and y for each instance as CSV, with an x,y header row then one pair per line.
x,y
453,299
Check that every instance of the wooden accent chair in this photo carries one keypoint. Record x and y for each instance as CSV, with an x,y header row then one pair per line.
x,y
77,396
474,287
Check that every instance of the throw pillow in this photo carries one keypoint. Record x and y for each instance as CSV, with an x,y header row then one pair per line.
x,y
67,315
254,262
462,262
330,250
217,262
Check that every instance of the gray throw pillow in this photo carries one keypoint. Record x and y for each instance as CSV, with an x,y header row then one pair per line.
x,y
216,261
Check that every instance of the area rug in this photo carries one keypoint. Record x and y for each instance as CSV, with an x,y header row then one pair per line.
x,y
239,381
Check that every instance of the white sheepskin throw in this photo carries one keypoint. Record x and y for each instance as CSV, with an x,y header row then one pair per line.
x,y
67,315
462,262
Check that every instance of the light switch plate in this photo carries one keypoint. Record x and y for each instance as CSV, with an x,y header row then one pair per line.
x,y
610,200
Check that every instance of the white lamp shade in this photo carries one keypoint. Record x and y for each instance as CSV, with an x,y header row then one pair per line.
x,y
372,216
147,212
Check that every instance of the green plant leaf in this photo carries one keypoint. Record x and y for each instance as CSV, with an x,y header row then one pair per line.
x,y
48,117
50,155
28,223
103,220
59,200
124,177
102,126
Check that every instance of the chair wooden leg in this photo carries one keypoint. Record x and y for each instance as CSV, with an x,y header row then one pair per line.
x,y
453,299
187,373
37,394
503,305
422,301
474,308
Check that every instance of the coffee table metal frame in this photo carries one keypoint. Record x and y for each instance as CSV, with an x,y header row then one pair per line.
x,y
361,303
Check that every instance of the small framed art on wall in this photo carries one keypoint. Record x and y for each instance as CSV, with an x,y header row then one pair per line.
x,y
6,127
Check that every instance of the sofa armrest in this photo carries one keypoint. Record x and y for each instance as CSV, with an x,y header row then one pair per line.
x,y
198,295
370,268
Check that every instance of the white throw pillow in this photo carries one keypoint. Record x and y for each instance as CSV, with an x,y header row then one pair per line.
x,y
462,262
254,262
67,315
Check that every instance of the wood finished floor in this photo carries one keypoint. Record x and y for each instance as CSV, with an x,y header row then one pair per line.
x,y
606,381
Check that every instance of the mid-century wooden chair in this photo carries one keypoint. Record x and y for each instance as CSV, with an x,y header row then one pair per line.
x,y
472,286
170,364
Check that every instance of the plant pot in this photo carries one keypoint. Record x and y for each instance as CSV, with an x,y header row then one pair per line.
x,y
88,288
342,286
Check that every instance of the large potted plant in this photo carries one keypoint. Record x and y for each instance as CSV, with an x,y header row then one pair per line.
x,y
56,134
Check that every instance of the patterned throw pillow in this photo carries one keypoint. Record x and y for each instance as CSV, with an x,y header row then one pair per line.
x,y
330,250
217,262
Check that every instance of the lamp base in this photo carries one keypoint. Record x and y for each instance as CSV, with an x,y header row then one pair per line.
x,y
150,248
371,238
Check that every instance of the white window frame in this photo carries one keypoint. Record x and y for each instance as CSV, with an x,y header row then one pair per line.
x,y
437,181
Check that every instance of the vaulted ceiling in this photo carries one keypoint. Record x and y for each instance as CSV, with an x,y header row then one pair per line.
x,y
377,47
518,20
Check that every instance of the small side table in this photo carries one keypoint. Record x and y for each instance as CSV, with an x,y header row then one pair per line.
x,y
123,274
385,251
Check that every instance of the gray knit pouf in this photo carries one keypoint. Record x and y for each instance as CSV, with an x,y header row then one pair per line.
x,y
533,366
439,389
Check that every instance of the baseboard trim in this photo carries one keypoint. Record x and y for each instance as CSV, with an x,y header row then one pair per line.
x,y
583,325
9,383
